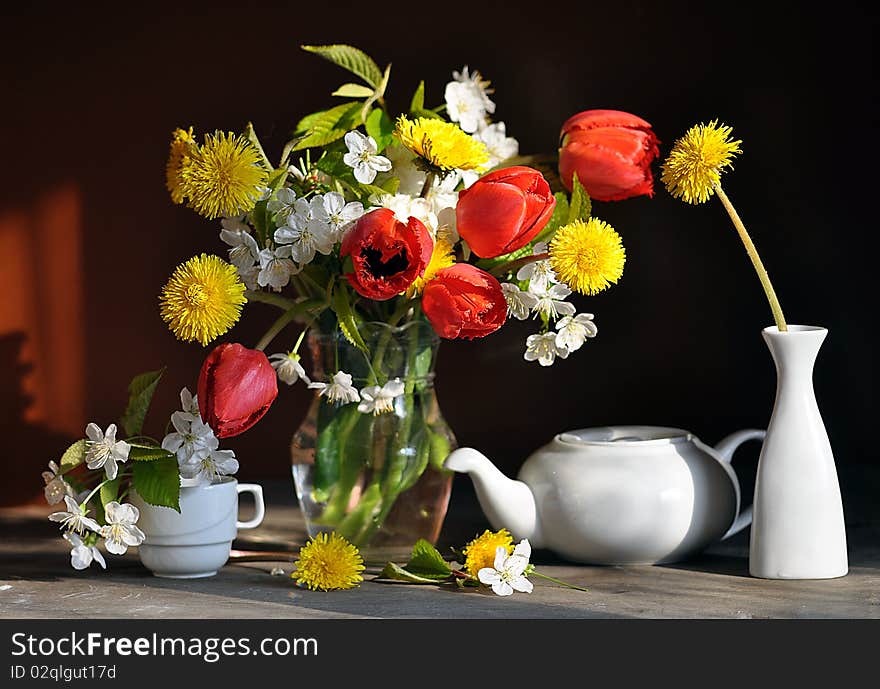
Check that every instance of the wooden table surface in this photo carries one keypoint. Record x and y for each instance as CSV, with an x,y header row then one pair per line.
x,y
36,581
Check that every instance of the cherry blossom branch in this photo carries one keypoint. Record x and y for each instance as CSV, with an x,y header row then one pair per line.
x,y
510,266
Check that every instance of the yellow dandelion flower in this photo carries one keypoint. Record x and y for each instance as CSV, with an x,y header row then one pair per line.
x,y
587,255
480,552
223,176
182,143
202,299
327,562
443,145
694,165
442,257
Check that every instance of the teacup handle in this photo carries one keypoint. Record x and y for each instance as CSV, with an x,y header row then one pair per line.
x,y
725,449
259,505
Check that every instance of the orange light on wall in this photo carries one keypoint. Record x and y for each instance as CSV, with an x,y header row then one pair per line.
x,y
41,331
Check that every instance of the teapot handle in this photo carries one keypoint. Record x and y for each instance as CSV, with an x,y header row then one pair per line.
x,y
725,449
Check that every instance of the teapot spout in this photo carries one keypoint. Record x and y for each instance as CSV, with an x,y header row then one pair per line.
x,y
507,504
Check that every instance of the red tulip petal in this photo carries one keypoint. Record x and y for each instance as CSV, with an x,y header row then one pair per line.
x,y
589,119
490,216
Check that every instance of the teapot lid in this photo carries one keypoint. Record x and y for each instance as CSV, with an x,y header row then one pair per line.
x,y
624,435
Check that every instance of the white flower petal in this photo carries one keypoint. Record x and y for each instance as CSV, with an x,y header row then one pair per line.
x,y
502,588
488,576
521,584
94,433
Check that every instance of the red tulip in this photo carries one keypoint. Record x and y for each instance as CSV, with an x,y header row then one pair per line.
x,y
386,254
611,151
236,388
464,301
504,210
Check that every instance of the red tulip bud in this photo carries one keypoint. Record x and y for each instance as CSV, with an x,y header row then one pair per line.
x,y
387,254
236,388
611,152
504,210
464,301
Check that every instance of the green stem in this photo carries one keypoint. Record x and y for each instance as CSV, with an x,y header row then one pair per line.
x,y
557,581
286,318
510,266
269,298
756,260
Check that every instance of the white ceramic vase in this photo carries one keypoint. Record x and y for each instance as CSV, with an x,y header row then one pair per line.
x,y
798,529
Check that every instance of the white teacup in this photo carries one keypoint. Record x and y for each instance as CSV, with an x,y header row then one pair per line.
x,y
196,541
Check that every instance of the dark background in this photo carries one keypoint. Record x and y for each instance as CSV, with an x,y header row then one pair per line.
x,y
91,94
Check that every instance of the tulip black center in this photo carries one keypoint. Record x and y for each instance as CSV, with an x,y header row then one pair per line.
x,y
383,269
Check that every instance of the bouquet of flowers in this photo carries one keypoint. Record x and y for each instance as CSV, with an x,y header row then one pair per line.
x,y
378,233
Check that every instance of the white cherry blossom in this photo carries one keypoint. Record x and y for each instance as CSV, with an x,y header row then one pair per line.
x,y
276,268
189,404
208,466
75,518
573,331
363,157
191,437
56,487
244,252
519,303
540,274
305,233
103,450
508,573
82,555
288,368
337,214
405,207
339,389
551,302
121,530
543,349
282,204
482,85
465,104
380,400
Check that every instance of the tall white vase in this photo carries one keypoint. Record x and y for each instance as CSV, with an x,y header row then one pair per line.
x,y
797,529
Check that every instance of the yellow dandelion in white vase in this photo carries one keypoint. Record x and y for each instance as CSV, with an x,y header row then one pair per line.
x,y
225,176
182,144
692,173
202,299
441,145
328,562
587,255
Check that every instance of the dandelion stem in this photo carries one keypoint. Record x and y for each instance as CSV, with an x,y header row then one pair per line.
x,y
294,312
428,185
536,573
756,260
267,298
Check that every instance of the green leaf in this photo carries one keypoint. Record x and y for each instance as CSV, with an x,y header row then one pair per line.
x,y
381,128
353,91
142,453
581,206
398,573
261,217
348,57
418,100
110,490
422,112
344,314
140,394
158,482
327,452
73,456
426,561
557,220
330,125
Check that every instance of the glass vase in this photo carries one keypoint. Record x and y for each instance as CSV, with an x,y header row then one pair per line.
x,y
375,477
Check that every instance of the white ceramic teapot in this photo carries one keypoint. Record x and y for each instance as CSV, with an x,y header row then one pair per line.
x,y
616,495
